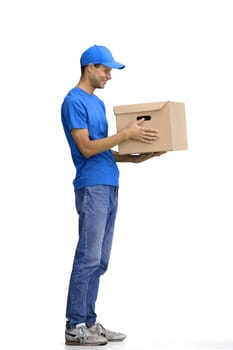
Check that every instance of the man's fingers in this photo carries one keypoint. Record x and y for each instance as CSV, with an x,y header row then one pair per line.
x,y
149,135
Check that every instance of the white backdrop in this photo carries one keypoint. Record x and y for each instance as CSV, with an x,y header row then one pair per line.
x,y
170,275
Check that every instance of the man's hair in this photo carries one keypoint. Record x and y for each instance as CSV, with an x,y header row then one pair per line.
x,y
84,67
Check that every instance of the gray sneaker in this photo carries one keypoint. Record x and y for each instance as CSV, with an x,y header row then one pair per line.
x,y
82,336
98,329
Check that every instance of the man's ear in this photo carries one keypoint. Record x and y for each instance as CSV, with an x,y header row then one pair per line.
x,y
90,67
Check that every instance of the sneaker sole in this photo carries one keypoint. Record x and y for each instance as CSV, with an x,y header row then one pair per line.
x,y
74,343
116,340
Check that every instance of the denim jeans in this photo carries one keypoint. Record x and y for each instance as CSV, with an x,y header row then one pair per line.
x,y
97,208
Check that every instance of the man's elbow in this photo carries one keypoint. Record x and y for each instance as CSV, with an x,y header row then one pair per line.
x,y
87,153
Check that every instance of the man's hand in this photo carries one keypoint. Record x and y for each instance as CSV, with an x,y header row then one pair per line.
x,y
135,158
139,158
140,133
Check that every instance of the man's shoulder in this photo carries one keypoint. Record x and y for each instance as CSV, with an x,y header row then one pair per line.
x,y
73,97
72,94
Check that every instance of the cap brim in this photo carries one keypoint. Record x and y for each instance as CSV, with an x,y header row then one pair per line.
x,y
113,64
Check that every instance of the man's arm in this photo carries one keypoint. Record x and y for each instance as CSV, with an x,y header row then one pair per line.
x,y
134,131
135,158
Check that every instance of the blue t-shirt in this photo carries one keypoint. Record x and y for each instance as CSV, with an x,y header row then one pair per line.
x,y
81,110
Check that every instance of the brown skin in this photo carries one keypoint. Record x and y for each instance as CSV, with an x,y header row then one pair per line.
x,y
135,158
95,77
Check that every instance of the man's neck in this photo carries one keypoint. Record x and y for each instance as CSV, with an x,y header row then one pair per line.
x,y
86,87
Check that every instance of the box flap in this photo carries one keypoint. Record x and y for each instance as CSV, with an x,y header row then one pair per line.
x,y
139,107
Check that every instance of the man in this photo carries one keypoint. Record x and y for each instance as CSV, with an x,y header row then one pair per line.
x,y
96,191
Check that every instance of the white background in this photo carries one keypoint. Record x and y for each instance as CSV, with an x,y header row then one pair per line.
x,y
170,275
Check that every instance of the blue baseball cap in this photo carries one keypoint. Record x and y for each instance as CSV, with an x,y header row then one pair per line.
x,y
99,55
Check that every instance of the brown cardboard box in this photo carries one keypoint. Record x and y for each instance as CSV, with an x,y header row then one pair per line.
x,y
168,117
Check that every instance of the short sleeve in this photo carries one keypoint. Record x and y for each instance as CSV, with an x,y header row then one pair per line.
x,y
73,114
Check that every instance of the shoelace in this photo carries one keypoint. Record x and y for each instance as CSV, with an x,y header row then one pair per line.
x,y
100,329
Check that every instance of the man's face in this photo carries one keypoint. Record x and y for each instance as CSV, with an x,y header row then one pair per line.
x,y
99,76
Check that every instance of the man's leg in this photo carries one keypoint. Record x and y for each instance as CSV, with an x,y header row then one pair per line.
x,y
93,207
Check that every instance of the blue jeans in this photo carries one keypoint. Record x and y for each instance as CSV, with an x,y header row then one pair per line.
x,y
97,208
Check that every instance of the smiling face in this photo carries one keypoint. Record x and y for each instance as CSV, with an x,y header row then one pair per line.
x,y
98,75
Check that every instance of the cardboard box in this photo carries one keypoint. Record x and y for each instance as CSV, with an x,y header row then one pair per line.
x,y
168,117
